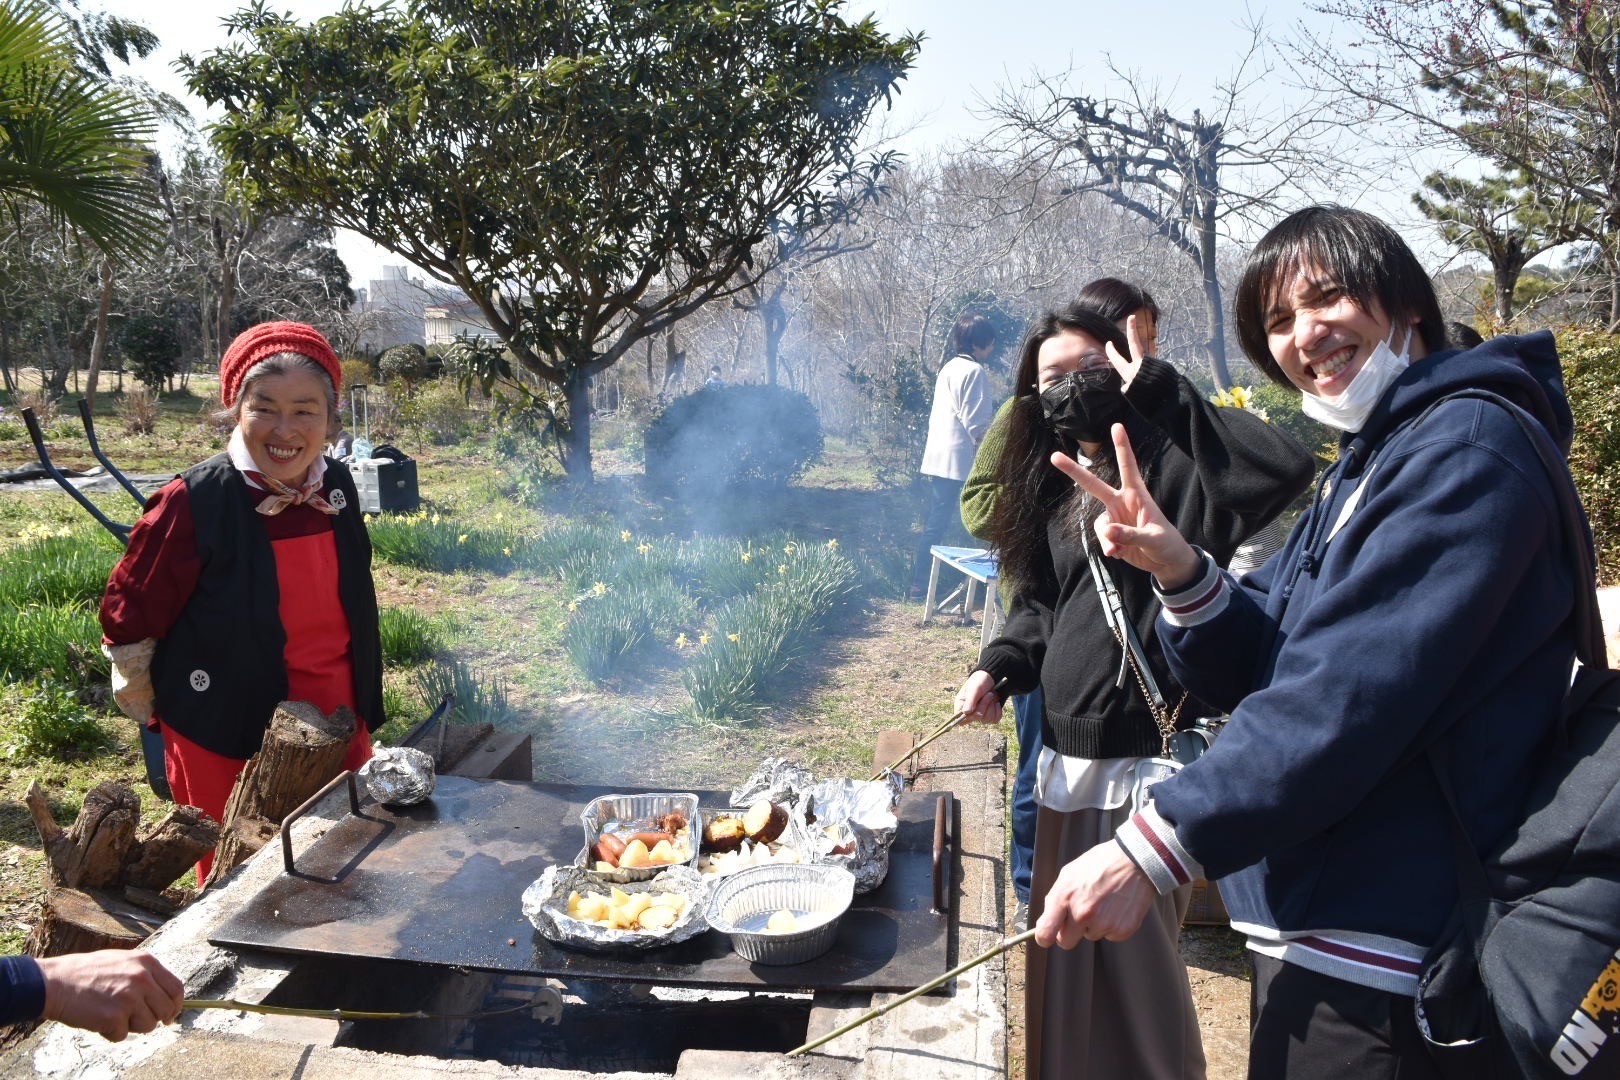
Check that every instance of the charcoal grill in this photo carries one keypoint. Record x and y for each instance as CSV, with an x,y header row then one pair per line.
x,y
439,884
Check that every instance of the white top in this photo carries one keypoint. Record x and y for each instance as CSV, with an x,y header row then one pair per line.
x,y
961,415
1066,784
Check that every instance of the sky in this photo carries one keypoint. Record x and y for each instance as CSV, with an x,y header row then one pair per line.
x,y
971,49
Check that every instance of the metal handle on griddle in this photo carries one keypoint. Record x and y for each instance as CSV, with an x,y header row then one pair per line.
x,y
942,867
287,822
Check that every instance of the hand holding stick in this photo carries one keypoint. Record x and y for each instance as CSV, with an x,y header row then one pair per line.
x,y
956,718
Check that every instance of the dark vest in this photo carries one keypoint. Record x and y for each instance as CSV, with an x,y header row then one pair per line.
x,y
219,672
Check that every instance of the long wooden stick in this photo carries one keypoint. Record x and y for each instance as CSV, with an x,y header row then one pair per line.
x,y
902,999
956,718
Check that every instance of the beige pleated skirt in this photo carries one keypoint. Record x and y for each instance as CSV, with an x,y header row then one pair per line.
x,y
1106,1010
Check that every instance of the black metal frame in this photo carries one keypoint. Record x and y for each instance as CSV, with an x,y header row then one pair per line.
x,y
151,741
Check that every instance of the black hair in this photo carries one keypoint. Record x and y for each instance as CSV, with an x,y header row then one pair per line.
x,y
1463,336
1364,257
1028,489
971,332
1114,299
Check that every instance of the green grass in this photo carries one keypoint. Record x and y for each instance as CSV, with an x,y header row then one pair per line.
x,y
59,570
408,636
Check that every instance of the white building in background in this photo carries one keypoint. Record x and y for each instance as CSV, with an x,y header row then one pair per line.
x,y
391,309
460,320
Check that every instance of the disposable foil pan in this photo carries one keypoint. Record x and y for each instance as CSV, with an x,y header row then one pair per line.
x,y
641,811
545,904
817,895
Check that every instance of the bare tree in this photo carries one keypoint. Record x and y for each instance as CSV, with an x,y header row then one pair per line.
x,y
1195,176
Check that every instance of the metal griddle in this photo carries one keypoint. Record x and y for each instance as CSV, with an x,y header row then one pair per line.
x,y
440,883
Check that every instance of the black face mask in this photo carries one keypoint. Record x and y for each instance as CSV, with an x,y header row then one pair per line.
x,y
1084,405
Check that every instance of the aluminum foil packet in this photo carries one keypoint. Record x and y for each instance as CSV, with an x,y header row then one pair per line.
x,y
398,775
545,905
854,824
782,781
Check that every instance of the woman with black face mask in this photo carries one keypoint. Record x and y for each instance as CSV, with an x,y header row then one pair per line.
x,y
1108,1009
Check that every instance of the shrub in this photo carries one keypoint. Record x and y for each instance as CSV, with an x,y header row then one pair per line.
x,y
357,372
899,397
139,412
439,412
1592,379
408,362
408,637
721,437
46,720
152,343
476,700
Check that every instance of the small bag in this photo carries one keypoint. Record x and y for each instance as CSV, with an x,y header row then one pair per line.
x,y
1525,980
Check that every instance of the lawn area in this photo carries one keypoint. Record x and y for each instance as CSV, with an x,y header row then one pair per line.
x,y
496,583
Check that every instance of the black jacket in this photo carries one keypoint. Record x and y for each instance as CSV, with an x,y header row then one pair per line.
x,y
1218,474
218,673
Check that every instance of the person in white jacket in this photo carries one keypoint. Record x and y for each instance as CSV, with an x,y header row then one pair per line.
x,y
961,414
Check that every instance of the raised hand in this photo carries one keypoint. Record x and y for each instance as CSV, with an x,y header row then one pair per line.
x,y
1131,526
1136,337
978,698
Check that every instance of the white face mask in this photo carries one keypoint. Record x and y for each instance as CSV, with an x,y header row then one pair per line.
x,y
1349,411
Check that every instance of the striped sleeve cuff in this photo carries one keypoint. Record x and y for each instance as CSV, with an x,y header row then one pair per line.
x,y
1151,843
1200,601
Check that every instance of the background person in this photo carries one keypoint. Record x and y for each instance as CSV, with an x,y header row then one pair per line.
x,y
1114,300
1424,600
957,421
1110,1009
247,581
111,992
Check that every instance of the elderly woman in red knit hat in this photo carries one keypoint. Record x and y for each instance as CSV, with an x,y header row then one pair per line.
x,y
248,580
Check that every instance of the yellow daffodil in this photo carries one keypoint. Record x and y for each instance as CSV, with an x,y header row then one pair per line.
x,y
600,588
833,544
680,641
782,569
746,557
733,637
703,639
789,549
1240,396
462,539
625,535
644,548
507,552
573,605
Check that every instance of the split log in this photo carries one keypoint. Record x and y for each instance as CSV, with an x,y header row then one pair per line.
x,y
74,921
169,848
92,852
302,750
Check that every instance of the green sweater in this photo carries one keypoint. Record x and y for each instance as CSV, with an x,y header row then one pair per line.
x,y
979,490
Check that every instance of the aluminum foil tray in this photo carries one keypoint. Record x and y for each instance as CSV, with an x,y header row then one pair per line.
x,y
818,896
643,810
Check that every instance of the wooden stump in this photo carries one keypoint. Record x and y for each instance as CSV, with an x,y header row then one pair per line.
x,y
302,750
92,852
75,921
169,848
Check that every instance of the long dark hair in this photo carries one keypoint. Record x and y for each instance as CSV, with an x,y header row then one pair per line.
x,y
1028,489
1363,256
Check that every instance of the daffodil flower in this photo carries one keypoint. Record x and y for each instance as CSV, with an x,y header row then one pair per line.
x,y
507,552
644,548
462,539
782,569
789,549
573,605
703,639
625,535
733,637
746,557
833,544
600,588
680,641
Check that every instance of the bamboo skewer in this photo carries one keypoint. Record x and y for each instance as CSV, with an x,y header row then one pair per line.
x,y
955,719
902,999
341,1014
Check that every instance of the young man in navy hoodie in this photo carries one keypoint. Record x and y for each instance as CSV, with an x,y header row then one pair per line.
x,y
1425,599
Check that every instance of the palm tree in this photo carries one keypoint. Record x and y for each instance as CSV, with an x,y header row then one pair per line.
x,y
68,141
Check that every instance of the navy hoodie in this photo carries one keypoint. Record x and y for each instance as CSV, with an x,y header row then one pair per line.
x,y
1425,596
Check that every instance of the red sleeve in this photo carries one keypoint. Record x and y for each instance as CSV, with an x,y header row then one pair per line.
x,y
153,581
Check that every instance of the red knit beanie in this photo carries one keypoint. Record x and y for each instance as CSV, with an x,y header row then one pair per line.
x,y
265,340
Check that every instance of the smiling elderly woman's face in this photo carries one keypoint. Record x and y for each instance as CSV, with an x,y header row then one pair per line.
x,y
285,419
